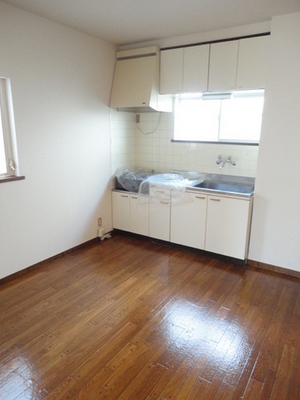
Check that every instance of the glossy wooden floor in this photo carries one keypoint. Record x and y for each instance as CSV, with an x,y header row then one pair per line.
x,y
129,319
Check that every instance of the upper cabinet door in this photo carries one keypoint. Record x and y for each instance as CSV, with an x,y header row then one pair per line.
x,y
223,66
195,69
251,70
184,70
171,71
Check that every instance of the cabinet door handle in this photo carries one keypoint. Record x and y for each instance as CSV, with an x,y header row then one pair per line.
x,y
164,202
124,195
200,197
134,197
215,199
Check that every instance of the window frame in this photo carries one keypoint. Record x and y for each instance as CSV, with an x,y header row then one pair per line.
x,y
8,133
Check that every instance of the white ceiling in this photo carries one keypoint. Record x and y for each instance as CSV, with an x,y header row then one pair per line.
x,y
132,21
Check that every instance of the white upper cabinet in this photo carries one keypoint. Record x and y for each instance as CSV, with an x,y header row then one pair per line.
x,y
218,67
223,66
252,59
238,64
195,69
171,71
184,70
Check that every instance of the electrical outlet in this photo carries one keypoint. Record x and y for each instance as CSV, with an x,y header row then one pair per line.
x,y
100,221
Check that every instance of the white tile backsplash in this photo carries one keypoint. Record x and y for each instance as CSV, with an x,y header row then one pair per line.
x,y
123,140
155,151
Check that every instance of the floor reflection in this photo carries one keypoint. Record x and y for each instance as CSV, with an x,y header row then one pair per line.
x,y
17,377
222,339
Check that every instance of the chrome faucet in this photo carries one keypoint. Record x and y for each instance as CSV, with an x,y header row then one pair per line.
x,y
223,162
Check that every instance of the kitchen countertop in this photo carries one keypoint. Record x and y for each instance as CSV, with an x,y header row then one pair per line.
x,y
229,182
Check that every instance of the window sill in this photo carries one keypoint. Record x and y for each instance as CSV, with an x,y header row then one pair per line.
x,y
4,179
215,142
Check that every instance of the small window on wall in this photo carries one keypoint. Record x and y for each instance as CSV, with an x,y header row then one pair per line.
x,y
219,117
8,148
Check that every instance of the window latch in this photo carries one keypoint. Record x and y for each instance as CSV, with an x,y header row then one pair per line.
x,y
11,165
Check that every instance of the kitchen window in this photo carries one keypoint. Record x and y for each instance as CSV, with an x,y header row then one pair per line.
x,y
8,147
219,117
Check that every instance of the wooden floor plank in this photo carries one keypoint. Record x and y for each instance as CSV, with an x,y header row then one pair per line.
x,y
128,318
253,390
199,389
284,372
294,384
142,384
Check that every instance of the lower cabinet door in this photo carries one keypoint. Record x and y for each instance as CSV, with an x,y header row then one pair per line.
x,y
121,210
139,215
159,221
227,226
188,221
159,213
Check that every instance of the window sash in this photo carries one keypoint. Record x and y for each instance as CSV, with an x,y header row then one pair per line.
x,y
219,118
8,151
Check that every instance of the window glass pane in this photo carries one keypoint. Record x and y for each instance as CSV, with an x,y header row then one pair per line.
x,y
3,169
241,119
196,119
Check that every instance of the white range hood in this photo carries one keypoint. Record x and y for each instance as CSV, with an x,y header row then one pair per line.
x,y
136,82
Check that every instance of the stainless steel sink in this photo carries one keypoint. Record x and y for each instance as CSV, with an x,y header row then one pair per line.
x,y
225,187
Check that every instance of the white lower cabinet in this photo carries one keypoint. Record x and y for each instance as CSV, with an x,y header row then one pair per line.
x,y
130,213
121,210
159,214
227,226
139,215
188,221
217,224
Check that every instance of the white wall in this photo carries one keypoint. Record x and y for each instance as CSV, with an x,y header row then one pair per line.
x,y
275,237
61,81
201,37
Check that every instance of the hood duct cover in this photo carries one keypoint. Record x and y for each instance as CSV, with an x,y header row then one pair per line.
x,y
136,82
